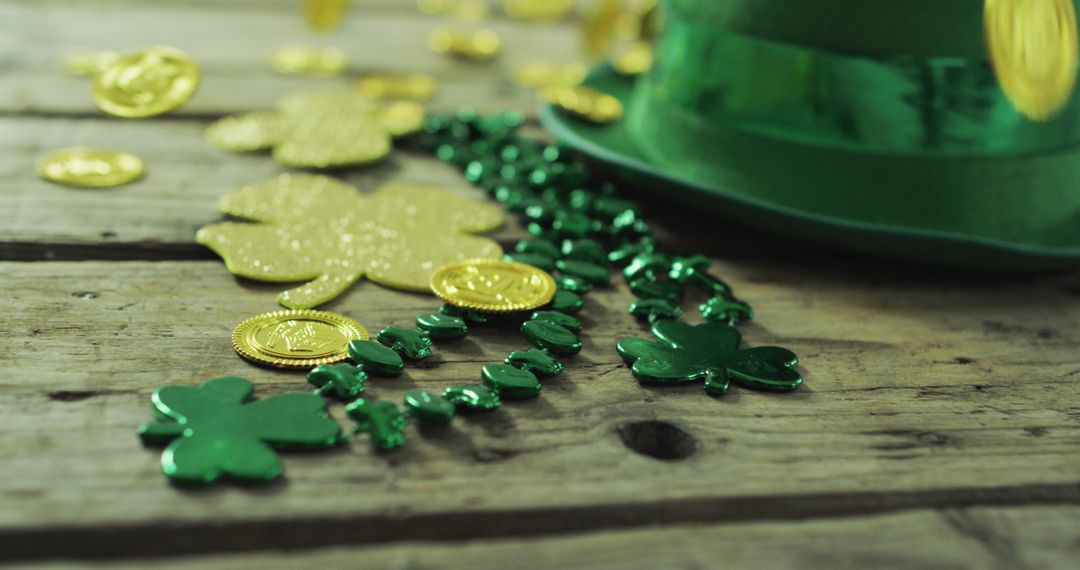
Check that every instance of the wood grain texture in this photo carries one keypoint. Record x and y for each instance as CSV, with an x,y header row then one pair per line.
x,y
917,395
973,538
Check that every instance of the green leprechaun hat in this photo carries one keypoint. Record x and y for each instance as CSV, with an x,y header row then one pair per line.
x,y
942,131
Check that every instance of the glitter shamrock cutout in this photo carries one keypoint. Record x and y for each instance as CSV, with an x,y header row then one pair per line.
x,y
316,228
686,353
215,431
320,129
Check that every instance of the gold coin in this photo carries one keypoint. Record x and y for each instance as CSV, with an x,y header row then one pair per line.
x,y
146,83
481,45
542,74
90,63
418,86
538,10
1033,49
245,133
296,339
325,15
307,60
633,59
585,103
493,286
90,167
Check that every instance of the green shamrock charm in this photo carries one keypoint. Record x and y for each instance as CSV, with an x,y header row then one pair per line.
x,y
410,343
472,398
511,382
710,351
215,431
345,380
442,326
555,335
694,271
645,288
648,266
654,309
566,302
558,319
625,253
474,317
539,247
584,250
428,407
537,361
534,259
382,420
573,284
595,274
726,309
376,358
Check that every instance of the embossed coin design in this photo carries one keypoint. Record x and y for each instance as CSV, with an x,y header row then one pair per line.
x,y
296,339
90,167
146,83
1033,49
493,286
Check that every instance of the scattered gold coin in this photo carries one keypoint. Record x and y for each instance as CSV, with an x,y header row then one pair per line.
x,y
464,9
543,74
296,339
633,59
245,133
585,103
325,15
146,83
417,86
90,167
493,286
307,60
481,45
538,10
89,63
1033,49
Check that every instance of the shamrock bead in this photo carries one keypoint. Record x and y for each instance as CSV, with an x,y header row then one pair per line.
x,y
538,246
694,271
537,361
533,259
710,351
653,309
376,358
647,265
345,380
558,319
550,336
726,309
382,420
216,431
608,208
511,382
591,272
410,343
573,284
470,316
472,398
584,250
625,253
566,302
428,407
571,225
647,288
442,326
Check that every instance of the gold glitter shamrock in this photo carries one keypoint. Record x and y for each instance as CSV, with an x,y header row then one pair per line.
x,y
317,228
320,129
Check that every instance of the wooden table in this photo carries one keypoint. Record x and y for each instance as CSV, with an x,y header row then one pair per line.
x,y
939,425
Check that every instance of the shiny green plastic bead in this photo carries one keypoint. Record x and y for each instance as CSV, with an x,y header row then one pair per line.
x,y
550,336
537,361
591,272
472,398
344,380
409,343
726,309
558,319
376,358
383,421
573,284
214,430
470,316
646,288
653,309
510,382
429,408
625,253
648,266
566,302
442,326
571,225
533,259
584,250
608,208
694,271
537,246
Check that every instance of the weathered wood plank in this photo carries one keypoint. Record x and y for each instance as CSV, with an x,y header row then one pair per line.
x,y
234,47
975,538
918,394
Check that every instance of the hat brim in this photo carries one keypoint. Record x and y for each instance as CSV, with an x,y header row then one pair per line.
x,y
615,145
